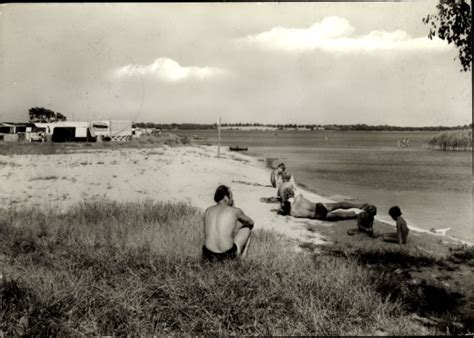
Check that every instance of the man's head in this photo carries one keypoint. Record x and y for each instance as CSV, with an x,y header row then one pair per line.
x,y
281,167
223,193
285,176
395,212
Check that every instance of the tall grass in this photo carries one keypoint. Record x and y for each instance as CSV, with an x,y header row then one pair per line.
x,y
453,140
134,268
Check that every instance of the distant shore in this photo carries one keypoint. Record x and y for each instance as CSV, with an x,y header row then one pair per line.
x,y
294,126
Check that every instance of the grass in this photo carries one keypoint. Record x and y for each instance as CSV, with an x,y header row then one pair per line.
x,y
48,148
134,268
453,140
392,277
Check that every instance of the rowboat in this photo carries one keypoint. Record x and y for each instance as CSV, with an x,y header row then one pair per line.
x,y
237,148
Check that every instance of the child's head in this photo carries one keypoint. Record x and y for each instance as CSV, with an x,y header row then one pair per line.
x,y
395,212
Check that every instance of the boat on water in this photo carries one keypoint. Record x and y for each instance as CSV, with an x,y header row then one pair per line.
x,y
237,148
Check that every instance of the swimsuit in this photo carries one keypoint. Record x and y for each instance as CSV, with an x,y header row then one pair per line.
x,y
212,256
286,208
320,212
365,222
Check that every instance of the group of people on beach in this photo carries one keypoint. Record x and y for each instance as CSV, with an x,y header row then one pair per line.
x,y
227,228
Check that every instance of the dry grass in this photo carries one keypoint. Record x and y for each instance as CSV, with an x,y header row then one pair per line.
x,y
134,268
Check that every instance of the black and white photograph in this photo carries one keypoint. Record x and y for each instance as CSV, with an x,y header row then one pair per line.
x,y
236,169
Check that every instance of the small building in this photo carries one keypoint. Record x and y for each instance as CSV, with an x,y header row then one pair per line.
x,y
67,131
8,132
14,131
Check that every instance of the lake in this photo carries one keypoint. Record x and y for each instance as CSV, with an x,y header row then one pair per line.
x,y
433,188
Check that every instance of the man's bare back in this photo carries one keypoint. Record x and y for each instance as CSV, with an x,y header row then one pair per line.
x,y
226,228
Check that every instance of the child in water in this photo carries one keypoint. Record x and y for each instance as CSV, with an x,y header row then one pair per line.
x,y
401,235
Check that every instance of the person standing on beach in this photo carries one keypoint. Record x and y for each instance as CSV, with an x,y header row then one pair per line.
x,y
226,228
275,176
401,235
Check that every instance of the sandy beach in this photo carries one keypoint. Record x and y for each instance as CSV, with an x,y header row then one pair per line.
x,y
187,174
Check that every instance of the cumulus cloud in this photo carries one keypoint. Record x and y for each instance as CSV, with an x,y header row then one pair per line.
x,y
335,34
168,70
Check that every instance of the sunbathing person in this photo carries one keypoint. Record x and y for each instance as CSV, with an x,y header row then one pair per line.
x,y
303,208
226,228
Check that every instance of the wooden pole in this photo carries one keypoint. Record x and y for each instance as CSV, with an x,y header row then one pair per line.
x,y
219,138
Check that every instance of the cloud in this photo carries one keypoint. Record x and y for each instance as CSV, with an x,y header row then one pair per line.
x,y
334,34
168,70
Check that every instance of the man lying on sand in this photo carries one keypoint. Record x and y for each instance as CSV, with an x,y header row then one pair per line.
x,y
303,208
226,228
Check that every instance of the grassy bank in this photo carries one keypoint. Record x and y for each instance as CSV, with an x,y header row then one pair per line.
x,y
453,140
49,148
134,268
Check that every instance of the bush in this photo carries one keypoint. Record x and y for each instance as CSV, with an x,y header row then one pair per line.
x,y
453,140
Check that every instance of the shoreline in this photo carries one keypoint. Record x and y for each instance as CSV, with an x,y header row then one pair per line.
x,y
307,189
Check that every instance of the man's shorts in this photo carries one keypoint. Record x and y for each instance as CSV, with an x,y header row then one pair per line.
x,y
211,256
320,212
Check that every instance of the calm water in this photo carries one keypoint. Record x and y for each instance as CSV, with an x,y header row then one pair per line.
x,y
433,188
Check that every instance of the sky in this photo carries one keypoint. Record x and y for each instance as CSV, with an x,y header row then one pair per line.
x,y
278,63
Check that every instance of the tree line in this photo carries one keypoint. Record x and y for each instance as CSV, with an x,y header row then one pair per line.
x,y
342,127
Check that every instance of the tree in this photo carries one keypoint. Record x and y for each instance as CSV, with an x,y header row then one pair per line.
x,y
60,117
453,24
40,114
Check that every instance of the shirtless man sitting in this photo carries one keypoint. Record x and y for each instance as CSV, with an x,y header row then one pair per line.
x,y
226,228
